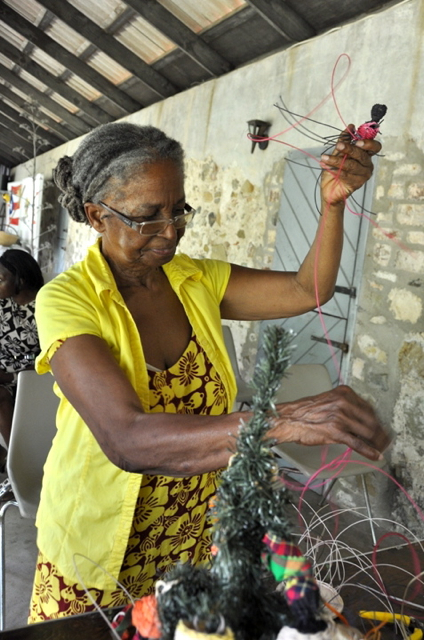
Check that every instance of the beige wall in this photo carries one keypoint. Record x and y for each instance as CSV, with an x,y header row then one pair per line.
x,y
238,193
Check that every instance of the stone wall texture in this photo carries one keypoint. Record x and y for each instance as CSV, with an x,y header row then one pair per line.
x,y
237,196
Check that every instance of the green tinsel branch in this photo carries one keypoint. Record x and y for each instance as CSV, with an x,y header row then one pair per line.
x,y
250,502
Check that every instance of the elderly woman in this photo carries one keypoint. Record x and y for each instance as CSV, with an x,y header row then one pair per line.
x,y
20,280
133,337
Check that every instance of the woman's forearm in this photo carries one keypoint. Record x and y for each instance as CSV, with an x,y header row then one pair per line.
x,y
174,444
185,445
318,273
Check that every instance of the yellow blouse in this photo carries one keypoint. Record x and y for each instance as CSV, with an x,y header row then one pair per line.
x,y
87,503
170,522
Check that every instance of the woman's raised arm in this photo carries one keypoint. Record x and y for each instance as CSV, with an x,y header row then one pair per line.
x,y
254,294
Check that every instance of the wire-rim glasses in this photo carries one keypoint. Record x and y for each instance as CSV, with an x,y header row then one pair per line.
x,y
153,227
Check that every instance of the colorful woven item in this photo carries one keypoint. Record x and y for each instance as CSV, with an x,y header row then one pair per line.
x,y
285,559
298,588
301,590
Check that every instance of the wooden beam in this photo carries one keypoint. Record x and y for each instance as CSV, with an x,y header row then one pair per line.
x,y
37,71
22,122
284,19
75,123
111,46
68,59
14,141
44,119
192,44
19,133
12,157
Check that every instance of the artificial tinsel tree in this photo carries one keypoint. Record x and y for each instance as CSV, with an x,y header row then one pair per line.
x,y
251,502
236,598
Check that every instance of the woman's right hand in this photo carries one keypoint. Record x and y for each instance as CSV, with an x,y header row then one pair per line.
x,y
339,416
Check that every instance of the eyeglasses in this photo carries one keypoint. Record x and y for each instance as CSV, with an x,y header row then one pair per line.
x,y
153,227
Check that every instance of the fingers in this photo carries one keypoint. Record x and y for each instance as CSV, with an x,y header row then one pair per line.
x,y
357,150
360,419
348,136
339,416
367,424
348,167
359,153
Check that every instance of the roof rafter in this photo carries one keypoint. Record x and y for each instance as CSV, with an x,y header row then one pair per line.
x,y
15,141
56,127
21,134
282,17
192,44
10,160
68,59
111,46
37,71
23,122
10,144
76,124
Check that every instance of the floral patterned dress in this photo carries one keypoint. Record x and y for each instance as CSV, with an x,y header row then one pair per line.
x,y
18,338
170,520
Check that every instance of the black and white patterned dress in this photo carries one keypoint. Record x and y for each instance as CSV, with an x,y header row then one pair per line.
x,y
18,338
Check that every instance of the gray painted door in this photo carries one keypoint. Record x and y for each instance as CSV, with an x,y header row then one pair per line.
x,y
296,228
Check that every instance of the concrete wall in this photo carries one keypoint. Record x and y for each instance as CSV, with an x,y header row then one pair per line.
x,y
237,194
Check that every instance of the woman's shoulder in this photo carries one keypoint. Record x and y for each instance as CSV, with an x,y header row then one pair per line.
x,y
212,273
60,280
202,264
90,274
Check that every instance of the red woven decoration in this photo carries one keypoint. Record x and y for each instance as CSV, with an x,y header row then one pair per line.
x,y
368,130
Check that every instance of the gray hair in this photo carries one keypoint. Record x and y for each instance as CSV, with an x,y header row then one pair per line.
x,y
110,152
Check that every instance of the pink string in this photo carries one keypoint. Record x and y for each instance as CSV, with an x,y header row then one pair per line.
x,y
334,87
312,111
339,463
389,236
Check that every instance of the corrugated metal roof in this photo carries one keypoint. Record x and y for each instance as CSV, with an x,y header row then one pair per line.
x,y
203,14
28,9
85,62
66,36
102,13
144,40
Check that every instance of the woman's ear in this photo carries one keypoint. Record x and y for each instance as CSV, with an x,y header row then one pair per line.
x,y
94,216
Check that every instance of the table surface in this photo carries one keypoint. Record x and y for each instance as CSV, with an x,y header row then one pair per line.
x,y
88,626
92,626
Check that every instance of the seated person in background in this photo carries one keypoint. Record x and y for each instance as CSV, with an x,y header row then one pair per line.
x,y
133,337
20,281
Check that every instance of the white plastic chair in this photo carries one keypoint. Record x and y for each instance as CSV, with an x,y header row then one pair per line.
x,y
244,391
308,380
33,429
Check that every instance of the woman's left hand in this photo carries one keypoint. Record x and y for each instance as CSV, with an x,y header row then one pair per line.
x,y
347,168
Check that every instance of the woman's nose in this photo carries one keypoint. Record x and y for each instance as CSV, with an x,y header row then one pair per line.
x,y
169,231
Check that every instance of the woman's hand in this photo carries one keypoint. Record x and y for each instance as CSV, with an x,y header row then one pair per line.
x,y
338,416
348,168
